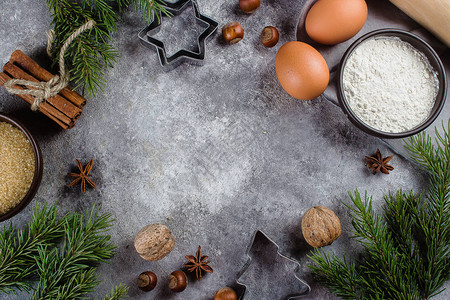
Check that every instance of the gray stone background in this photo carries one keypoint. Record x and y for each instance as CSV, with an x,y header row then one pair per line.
x,y
215,152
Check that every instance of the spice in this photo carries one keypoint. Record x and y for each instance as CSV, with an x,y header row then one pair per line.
x,y
17,163
83,176
389,84
198,263
377,163
64,108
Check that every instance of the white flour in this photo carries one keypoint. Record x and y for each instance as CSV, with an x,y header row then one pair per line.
x,y
389,84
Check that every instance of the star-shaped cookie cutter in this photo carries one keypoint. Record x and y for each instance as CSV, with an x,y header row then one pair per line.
x,y
261,238
183,55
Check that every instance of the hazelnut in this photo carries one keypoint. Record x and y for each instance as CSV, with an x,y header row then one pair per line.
x,y
249,6
154,241
147,281
225,293
233,32
269,36
320,226
177,281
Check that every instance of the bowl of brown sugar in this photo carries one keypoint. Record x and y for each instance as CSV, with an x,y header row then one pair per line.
x,y
21,167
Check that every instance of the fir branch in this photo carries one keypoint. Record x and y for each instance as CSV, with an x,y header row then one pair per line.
x,y
19,247
68,272
117,292
91,54
432,217
150,8
340,277
407,252
399,216
86,57
64,254
386,265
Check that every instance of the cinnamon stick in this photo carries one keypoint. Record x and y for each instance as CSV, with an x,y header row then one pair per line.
x,y
60,103
31,67
51,112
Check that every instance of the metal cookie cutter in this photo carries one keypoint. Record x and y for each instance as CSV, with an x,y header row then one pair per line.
x,y
251,276
183,55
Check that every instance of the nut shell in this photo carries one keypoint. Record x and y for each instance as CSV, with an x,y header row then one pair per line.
x,y
147,281
225,293
233,33
269,36
249,6
178,281
154,241
320,226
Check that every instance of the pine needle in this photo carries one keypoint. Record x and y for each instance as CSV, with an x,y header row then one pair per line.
x,y
117,292
91,54
19,247
406,249
68,272
327,266
63,255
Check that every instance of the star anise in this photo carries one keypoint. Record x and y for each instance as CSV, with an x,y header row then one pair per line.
x,y
83,176
377,163
198,263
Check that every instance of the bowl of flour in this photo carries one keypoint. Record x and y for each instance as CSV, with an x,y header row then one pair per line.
x,y
392,84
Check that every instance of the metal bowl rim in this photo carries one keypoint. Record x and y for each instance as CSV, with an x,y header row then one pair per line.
x,y
38,168
392,32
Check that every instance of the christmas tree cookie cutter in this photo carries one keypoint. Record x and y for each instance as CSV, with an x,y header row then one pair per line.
x,y
183,55
263,248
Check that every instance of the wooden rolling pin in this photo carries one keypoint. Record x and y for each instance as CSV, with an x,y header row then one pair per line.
x,y
431,14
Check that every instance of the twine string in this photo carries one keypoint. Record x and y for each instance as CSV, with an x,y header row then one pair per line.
x,y
46,89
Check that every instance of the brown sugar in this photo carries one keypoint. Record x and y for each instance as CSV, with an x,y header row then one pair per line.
x,y
17,164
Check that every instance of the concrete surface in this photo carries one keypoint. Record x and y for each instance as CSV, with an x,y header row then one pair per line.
x,y
215,152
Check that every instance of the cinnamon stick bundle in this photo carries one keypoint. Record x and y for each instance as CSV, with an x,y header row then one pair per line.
x,y
64,108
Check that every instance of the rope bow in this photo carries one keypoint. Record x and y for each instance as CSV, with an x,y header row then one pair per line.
x,y
46,89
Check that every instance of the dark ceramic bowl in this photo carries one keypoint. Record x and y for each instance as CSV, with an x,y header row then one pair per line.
x,y
435,62
37,169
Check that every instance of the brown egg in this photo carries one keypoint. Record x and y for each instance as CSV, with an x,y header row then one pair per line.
x,y
301,70
331,22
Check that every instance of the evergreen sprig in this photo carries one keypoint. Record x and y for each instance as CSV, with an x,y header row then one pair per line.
x,y
149,8
62,255
406,249
432,217
91,54
19,247
117,292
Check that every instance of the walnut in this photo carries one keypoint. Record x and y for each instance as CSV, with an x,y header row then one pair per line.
x,y
154,241
320,226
